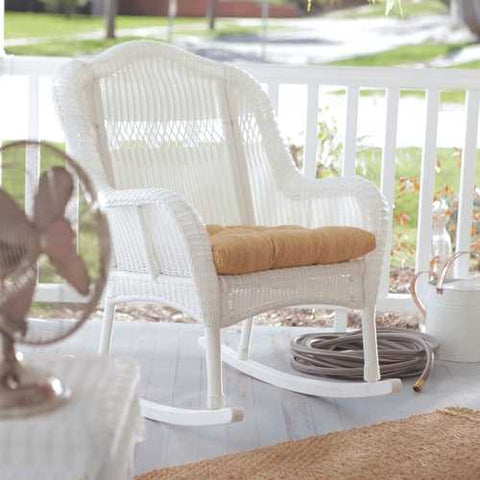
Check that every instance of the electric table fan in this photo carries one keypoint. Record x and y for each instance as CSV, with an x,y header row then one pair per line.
x,y
44,233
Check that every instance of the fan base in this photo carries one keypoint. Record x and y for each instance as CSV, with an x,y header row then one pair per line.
x,y
26,391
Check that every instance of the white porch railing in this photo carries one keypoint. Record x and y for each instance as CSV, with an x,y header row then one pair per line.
x,y
2,27
392,80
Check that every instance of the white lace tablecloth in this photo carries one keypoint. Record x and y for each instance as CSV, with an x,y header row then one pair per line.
x,y
92,437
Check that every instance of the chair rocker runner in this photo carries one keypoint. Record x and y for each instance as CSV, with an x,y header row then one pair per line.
x,y
173,142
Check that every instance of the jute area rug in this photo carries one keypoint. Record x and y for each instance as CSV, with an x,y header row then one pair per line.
x,y
442,445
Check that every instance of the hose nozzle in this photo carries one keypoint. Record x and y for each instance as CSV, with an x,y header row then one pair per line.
x,y
418,386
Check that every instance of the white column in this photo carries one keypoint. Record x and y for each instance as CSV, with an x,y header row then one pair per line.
x,y
350,139
388,174
2,27
467,182
311,132
427,182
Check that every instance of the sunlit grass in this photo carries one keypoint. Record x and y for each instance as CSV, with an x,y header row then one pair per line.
x,y
408,165
33,25
62,41
473,65
404,55
68,48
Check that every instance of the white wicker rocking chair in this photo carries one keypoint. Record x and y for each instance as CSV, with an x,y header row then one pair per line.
x,y
173,142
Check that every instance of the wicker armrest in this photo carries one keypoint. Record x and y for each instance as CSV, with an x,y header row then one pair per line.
x,y
160,227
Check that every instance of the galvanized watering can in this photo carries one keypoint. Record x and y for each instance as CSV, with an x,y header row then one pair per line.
x,y
451,308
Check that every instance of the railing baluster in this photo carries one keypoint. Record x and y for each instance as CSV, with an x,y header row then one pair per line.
x,y
427,182
467,181
32,154
350,140
311,131
348,169
390,144
2,27
388,172
273,88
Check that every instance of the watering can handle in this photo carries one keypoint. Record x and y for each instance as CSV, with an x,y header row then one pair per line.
x,y
441,280
413,290
446,269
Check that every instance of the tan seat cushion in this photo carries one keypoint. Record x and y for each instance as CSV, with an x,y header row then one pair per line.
x,y
243,249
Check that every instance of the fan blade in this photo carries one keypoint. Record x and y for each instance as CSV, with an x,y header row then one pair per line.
x,y
58,242
54,191
18,238
17,305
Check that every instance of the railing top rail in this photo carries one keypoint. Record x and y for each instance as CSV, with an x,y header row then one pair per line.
x,y
26,65
380,77
401,77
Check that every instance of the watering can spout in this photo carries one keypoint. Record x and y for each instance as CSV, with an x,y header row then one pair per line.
x,y
414,292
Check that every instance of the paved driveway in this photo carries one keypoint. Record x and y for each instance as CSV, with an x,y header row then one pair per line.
x,y
323,40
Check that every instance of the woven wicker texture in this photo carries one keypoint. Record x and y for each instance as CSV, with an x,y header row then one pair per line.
x,y
442,445
174,142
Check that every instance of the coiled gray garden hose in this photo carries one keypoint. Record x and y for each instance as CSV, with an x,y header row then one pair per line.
x,y
340,355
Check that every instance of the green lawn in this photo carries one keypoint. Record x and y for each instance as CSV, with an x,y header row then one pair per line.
x,y
408,162
475,64
58,32
67,48
28,25
405,55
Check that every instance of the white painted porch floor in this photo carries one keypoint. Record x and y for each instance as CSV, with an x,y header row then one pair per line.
x,y
173,372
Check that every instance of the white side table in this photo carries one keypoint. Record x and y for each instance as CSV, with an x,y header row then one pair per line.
x,y
92,437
